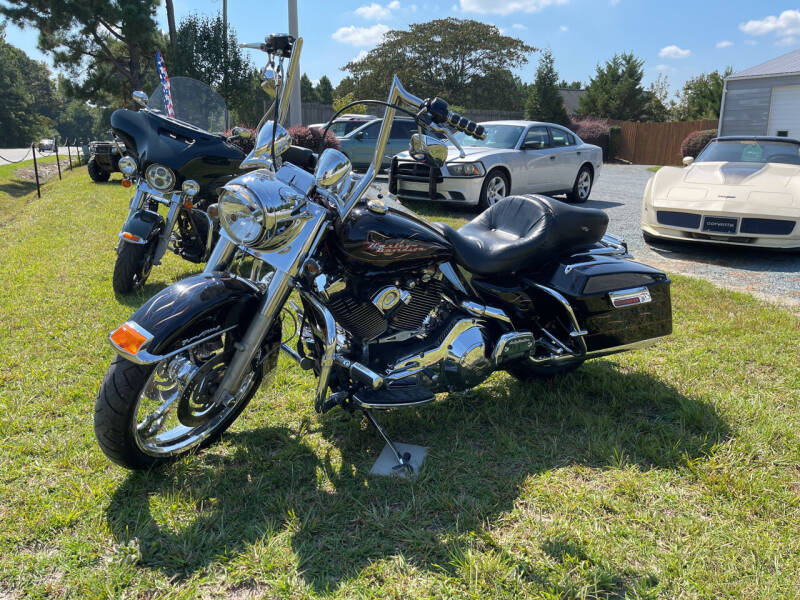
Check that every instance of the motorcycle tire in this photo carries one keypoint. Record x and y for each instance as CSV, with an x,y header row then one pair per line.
x,y
116,418
134,262
98,174
527,371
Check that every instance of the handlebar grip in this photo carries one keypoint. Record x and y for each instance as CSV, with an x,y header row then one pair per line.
x,y
465,125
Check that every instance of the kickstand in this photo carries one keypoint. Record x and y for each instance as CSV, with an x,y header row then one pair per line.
x,y
403,463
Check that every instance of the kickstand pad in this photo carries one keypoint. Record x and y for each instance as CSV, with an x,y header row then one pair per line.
x,y
387,461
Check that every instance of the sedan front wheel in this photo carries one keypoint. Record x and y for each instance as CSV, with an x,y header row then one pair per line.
x,y
582,187
495,188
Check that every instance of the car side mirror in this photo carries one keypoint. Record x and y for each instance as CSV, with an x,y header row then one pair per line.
x,y
359,135
425,148
532,146
687,160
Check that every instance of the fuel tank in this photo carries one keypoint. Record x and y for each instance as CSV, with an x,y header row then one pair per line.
x,y
190,152
397,238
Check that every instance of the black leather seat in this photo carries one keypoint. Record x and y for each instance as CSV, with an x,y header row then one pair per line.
x,y
523,232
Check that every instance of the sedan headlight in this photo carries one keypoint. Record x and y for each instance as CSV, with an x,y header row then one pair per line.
x,y
241,215
127,165
472,169
160,177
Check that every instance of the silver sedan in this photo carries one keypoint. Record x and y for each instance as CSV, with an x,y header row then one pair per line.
x,y
517,157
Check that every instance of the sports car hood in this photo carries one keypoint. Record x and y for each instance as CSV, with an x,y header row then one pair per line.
x,y
728,186
471,153
774,175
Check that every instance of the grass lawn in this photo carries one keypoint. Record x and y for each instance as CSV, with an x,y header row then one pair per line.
x,y
671,472
16,191
655,168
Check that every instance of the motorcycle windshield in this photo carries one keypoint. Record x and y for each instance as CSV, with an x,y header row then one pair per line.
x,y
193,102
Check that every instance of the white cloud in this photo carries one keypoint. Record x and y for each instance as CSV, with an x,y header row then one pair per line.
x,y
664,68
724,44
564,28
783,25
787,41
376,12
518,26
674,51
361,55
360,36
506,7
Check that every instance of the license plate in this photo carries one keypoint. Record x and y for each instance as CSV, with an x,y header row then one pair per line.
x,y
720,224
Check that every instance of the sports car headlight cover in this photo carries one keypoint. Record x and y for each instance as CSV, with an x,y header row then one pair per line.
x,y
470,169
160,177
241,215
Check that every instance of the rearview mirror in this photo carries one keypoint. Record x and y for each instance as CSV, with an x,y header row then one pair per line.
x,y
242,132
424,148
264,143
270,81
141,98
687,160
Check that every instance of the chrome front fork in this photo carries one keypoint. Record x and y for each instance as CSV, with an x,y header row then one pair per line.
x,y
163,239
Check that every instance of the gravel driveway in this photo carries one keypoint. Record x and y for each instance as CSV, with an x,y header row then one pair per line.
x,y
770,275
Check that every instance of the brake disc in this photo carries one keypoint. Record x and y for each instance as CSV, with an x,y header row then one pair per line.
x,y
195,406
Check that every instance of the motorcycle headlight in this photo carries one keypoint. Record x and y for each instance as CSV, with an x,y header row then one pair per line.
x,y
472,169
160,177
127,165
241,215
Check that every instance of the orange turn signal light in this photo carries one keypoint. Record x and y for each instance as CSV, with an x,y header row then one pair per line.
x,y
126,183
128,339
188,205
131,237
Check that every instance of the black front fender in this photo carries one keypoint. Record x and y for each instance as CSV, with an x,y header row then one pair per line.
x,y
195,308
144,224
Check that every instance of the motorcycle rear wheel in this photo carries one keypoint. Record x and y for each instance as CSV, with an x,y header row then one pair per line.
x,y
135,436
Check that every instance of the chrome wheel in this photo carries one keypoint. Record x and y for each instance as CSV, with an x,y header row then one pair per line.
x,y
584,185
495,189
174,411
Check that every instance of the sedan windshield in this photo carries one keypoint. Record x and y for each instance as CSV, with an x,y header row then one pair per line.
x,y
497,136
754,151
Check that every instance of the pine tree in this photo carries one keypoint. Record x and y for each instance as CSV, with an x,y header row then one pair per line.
x,y
544,100
324,90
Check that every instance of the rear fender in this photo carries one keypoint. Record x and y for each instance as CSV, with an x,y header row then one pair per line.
x,y
209,304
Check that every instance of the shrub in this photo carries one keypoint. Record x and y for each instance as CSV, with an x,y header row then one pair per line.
x,y
309,137
693,143
614,137
592,130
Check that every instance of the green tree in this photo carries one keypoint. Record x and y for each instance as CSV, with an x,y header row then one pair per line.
x,y
544,101
341,101
200,54
21,121
324,90
701,96
616,90
445,57
105,45
574,85
307,92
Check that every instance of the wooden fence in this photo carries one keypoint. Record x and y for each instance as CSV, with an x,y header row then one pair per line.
x,y
314,112
655,143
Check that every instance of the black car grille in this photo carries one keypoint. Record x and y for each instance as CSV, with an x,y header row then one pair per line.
x,y
766,226
414,171
678,219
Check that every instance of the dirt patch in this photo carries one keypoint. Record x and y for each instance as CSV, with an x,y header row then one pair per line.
x,y
46,171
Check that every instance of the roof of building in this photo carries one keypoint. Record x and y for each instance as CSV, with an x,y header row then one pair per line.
x,y
571,98
787,64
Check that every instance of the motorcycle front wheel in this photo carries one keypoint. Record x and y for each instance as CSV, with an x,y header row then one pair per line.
x,y
147,415
133,266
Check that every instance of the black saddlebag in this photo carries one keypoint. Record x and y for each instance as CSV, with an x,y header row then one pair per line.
x,y
617,301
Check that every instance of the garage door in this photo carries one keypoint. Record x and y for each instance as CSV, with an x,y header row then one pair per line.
x,y
784,115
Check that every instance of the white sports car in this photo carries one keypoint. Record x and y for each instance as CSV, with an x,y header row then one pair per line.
x,y
742,191
517,157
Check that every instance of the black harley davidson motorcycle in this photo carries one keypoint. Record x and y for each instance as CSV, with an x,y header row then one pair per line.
x,y
394,309
178,163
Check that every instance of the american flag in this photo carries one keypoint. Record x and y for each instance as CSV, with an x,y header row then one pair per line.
x,y
162,72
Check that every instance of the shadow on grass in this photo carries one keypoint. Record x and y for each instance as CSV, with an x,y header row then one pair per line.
x,y
17,188
482,446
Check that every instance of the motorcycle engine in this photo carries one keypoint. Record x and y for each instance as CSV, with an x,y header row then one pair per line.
x,y
386,310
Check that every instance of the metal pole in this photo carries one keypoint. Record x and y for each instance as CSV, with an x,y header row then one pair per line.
x,y
58,160
225,69
295,106
69,153
36,171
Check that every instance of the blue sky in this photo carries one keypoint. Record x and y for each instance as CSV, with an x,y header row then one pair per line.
x,y
678,38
